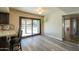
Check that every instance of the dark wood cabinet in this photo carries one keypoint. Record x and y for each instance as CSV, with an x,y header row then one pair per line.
x,y
4,18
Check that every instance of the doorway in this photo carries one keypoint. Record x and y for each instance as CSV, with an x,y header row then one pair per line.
x,y
30,26
71,28
67,30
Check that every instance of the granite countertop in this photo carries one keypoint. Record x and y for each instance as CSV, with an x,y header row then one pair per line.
x,y
7,33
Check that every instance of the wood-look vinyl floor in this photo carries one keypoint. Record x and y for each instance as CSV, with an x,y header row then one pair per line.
x,y
44,43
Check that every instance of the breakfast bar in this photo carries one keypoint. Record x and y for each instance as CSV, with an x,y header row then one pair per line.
x,y
7,33
6,38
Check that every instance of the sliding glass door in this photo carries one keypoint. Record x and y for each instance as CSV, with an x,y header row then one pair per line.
x,y
26,27
30,26
36,26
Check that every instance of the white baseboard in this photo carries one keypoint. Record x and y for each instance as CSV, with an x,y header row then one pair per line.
x,y
53,37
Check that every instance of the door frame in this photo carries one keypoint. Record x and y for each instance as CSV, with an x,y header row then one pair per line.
x,y
20,19
63,28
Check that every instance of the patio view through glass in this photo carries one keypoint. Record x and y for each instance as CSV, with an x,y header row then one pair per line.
x,y
30,27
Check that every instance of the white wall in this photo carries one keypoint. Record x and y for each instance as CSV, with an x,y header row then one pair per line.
x,y
53,24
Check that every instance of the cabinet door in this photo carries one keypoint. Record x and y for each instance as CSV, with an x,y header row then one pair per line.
x,y
0,18
4,18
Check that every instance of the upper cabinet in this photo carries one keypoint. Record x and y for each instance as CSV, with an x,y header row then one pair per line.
x,y
4,18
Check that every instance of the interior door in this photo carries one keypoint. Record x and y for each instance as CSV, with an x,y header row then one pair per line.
x,y
71,33
67,30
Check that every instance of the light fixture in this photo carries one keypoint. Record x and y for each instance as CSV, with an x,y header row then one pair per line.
x,y
39,10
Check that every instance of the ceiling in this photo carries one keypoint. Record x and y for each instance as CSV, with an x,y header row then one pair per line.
x,y
32,9
46,9
69,9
